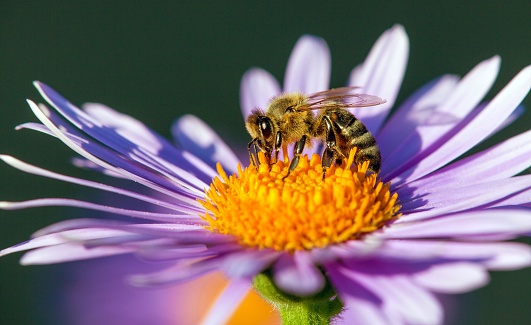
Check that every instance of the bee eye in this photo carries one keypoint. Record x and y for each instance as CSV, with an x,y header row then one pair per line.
x,y
265,126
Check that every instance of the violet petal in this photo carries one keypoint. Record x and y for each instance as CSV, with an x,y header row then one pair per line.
x,y
296,274
256,90
308,69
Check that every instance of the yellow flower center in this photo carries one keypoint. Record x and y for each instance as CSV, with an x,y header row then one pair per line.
x,y
302,211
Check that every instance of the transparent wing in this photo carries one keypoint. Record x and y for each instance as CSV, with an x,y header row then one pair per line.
x,y
344,97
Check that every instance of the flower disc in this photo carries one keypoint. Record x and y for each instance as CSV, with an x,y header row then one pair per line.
x,y
301,211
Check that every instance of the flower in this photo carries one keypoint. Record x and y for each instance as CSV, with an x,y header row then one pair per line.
x,y
453,217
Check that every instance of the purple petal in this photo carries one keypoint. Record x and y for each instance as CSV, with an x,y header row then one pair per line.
x,y
499,109
70,252
33,243
462,225
494,256
161,253
198,138
308,69
165,217
156,230
347,286
73,224
350,249
516,114
181,234
34,126
498,162
363,306
25,167
440,201
402,124
129,128
519,199
87,164
66,236
296,274
227,302
256,90
453,278
361,312
111,138
177,274
246,264
403,299
426,138
381,75
112,161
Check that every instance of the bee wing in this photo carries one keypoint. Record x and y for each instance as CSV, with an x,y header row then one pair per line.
x,y
344,96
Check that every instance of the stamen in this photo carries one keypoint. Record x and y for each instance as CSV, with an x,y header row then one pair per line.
x,y
303,211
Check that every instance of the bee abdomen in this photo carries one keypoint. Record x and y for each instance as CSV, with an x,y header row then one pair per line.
x,y
362,141
372,154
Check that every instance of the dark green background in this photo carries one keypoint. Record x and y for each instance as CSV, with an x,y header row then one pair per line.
x,y
157,61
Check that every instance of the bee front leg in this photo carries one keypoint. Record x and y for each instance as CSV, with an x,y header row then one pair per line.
x,y
297,150
252,145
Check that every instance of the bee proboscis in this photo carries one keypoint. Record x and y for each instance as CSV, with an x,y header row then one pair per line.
x,y
288,118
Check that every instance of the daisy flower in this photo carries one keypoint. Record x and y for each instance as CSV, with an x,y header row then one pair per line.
x,y
354,247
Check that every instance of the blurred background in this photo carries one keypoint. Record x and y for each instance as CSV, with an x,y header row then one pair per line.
x,y
159,60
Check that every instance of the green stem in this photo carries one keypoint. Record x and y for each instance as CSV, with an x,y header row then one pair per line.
x,y
318,309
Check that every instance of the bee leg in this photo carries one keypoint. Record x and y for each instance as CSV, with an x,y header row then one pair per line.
x,y
327,159
253,156
278,145
329,154
297,150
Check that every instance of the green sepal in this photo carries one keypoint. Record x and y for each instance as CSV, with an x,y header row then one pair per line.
x,y
317,309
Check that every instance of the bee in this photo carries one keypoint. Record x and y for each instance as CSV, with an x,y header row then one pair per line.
x,y
289,118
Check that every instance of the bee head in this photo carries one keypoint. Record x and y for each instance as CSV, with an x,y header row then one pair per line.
x,y
261,128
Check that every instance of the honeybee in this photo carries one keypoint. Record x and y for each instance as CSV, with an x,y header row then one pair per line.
x,y
288,118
